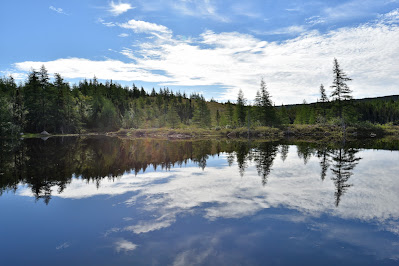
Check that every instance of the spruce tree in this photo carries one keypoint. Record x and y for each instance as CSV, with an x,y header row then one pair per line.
x,y
240,108
264,106
323,96
217,117
341,91
230,112
172,116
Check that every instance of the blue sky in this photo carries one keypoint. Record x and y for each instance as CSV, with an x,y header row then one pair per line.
x,y
211,47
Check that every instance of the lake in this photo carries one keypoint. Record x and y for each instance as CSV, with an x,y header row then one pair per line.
x,y
110,201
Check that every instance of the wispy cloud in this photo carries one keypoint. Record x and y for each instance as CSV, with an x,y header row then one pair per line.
x,y
107,24
117,9
58,10
346,11
246,9
62,246
107,69
391,17
314,20
232,60
199,8
124,245
291,30
123,35
139,26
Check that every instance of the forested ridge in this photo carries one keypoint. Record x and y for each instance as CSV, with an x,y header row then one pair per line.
x,y
55,106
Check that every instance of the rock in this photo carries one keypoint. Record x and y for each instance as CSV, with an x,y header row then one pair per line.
x,y
44,132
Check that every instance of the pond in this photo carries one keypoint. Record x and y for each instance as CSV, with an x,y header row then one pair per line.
x,y
111,201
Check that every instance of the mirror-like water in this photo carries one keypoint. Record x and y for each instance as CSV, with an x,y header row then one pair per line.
x,y
107,201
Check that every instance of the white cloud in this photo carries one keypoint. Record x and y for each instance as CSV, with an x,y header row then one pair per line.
x,y
391,17
62,246
58,10
117,9
199,8
123,35
291,30
246,9
139,26
107,24
293,69
348,10
84,68
220,192
124,245
314,20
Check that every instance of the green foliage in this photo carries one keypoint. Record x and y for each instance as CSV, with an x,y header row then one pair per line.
x,y
55,106
341,91
202,115
240,108
173,117
264,111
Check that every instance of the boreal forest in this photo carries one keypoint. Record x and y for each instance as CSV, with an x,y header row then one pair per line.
x,y
53,105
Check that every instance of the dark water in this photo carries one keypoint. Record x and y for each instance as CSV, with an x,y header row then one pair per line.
x,y
107,201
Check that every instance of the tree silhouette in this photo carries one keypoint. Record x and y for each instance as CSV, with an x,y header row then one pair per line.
x,y
264,155
264,106
344,161
240,108
341,91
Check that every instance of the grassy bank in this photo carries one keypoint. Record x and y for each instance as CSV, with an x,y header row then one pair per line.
x,y
296,131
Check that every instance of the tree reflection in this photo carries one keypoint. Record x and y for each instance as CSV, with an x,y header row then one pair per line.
x,y
284,149
264,155
243,156
45,165
323,153
344,161
305,151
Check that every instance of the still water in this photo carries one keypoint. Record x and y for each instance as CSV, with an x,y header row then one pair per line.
x,y
108,201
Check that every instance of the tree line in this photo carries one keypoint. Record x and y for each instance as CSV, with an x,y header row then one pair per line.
x,y
55,106
337,109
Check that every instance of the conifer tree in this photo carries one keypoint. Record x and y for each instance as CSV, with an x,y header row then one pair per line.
x,y
230,112
172,116
341,91
217,117
264,105
202,115
323,96
240,108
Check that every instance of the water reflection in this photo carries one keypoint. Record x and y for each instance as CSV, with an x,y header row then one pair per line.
x,y
309,198
344,161
43,165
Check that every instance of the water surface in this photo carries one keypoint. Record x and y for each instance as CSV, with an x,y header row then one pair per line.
x,y
107,201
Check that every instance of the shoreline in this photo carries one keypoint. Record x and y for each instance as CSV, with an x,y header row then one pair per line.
x,y
311,132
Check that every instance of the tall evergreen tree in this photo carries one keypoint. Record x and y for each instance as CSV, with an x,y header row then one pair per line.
x,y
240,108
341,91
264,106
172,116
32,94
217,117
202,115
230,113
323,96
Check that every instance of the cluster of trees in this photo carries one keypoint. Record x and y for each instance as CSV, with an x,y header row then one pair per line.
x,y
338,109
57,107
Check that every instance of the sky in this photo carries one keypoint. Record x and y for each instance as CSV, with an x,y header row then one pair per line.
x,y
211,47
